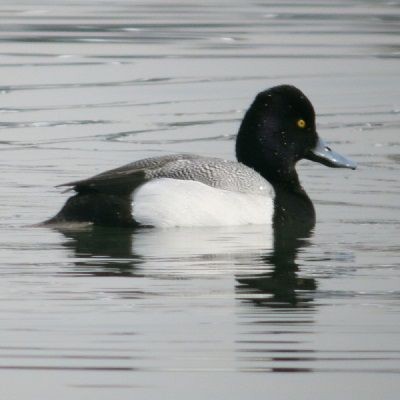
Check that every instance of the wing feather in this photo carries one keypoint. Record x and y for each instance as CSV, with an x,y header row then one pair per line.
x,y
125,179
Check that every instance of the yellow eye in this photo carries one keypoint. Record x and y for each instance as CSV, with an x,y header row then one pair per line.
x,y
301,123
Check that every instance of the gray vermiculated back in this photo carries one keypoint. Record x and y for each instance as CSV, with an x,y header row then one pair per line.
x,y
215,172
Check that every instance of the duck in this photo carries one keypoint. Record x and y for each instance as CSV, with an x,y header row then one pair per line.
x,y
261,187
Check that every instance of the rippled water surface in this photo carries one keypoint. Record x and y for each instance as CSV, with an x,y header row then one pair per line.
x,y
197,313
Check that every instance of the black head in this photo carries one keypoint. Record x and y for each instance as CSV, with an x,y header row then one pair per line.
x,y
277,131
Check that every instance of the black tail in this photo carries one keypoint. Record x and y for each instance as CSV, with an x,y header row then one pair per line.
x,y
97,208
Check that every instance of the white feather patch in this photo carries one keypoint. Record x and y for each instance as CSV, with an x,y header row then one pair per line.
x,y
167,202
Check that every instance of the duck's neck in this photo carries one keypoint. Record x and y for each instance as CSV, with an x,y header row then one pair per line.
x,y
292,204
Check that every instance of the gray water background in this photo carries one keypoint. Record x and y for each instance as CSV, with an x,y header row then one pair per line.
x,y
196,313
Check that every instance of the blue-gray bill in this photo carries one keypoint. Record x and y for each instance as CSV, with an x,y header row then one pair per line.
x,y
323,154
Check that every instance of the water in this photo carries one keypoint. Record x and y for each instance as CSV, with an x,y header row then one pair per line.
x,y
197,313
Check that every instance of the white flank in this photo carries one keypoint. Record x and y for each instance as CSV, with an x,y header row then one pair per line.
x,y
170,202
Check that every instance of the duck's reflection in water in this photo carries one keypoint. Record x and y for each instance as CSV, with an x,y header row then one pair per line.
x,y
281,284
101,251
264,262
